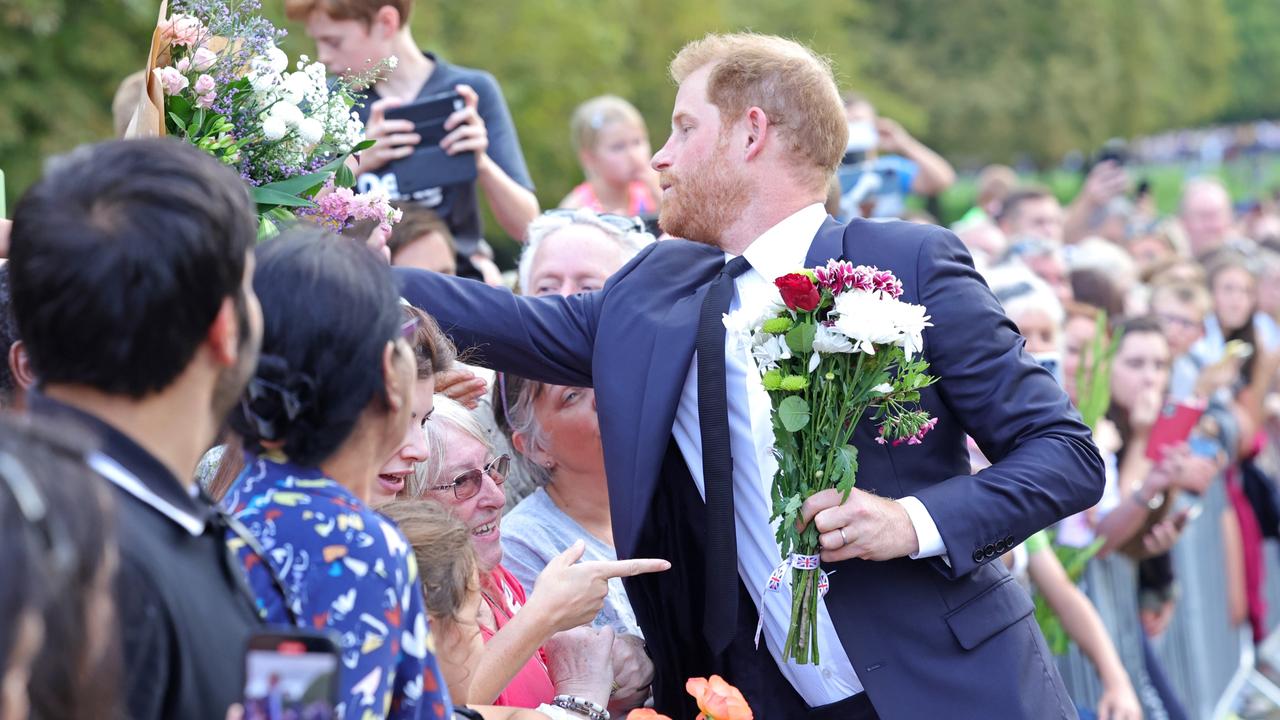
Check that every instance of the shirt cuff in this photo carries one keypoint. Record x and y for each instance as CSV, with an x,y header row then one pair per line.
x,y
927,534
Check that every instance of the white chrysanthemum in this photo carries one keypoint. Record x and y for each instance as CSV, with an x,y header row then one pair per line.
x,y
911,322
277,60
769,350
287,112
295,87
310,130
867,320
273,128
828,341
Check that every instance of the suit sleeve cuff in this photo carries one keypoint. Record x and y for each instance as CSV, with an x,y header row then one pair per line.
x,y
927,534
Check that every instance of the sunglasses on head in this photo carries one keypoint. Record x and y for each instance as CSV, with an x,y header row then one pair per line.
x,y
621,222
467,485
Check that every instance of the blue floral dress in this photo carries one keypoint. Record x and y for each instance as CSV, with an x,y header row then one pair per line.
x,y
344,568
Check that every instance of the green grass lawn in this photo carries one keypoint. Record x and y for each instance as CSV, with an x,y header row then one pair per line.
x,y
1246,179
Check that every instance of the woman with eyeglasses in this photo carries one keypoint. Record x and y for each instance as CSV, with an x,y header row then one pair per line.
x,y
331,399
521,632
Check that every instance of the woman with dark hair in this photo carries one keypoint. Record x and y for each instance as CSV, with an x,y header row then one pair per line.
x,y
432,352
331,399
55,583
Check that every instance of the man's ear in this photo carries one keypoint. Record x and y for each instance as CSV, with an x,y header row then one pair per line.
x,y
223,338
386,21
758,131
20,365
392,377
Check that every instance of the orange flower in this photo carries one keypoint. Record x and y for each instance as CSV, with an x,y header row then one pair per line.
x,y
646,714
718,700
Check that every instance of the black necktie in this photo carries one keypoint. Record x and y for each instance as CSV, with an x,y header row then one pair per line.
x,y
720,612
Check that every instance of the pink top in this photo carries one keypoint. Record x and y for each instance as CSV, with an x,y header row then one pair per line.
x,y
531,686
640,200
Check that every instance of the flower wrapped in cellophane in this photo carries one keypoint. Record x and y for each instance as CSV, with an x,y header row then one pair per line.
x,y
216,79
835,345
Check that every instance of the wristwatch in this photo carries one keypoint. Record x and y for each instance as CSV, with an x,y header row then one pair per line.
x,y
581,706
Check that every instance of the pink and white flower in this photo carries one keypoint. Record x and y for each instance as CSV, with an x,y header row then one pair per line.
x,y
172,81
182,30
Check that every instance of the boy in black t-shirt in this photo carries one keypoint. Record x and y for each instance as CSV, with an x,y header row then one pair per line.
x,y
353,36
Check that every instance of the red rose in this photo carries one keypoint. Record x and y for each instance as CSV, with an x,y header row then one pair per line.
x,y
798,292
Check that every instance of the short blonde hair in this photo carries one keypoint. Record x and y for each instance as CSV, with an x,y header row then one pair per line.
x,y
792,84
362,10
591,117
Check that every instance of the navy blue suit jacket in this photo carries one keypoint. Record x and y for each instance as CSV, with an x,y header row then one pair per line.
x,y
927,638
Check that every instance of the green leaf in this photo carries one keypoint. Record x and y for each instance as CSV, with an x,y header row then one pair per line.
x,y
800,338
846,469
266,228
267,196
793,411
344,177
178,122
299,184
363,145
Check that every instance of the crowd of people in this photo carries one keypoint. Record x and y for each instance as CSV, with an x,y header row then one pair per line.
x,y
207,437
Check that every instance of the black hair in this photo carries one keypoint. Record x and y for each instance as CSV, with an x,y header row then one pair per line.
x,y
329,307
60,556
121,257
8,336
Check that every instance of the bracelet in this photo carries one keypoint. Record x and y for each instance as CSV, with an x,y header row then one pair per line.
x,y
582,706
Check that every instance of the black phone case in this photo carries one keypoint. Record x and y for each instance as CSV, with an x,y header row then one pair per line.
x,y
430,166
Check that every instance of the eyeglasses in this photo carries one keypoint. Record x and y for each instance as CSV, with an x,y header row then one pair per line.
x,y
409,327
467,485
35,512
620,222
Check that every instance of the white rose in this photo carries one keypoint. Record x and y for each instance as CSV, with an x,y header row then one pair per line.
x,y
273,128
311,131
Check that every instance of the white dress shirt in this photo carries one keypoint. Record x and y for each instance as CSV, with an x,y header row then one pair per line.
x,y
780,250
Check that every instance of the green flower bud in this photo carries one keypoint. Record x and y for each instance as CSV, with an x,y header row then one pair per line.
x,y
777,326
830,376
772,380
794,383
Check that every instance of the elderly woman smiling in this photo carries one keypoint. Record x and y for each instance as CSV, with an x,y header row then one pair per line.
x,y
520,631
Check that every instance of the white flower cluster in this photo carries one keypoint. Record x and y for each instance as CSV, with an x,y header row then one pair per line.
x,y
860,320
298,110
869,318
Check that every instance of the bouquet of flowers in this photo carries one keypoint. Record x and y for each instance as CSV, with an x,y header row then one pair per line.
x,y
216,79
832,345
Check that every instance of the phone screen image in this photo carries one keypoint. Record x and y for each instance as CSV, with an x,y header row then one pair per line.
x,y
290,683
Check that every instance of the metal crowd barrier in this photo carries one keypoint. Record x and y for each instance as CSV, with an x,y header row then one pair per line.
x,y
1206,661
